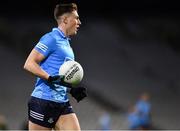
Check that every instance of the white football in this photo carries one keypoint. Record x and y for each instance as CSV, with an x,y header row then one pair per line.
x,y
72,72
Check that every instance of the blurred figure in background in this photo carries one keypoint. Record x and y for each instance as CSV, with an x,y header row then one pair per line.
x,y
3,123
105,121
133,118
143,109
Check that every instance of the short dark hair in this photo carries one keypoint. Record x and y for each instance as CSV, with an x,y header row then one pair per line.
x,y
60,9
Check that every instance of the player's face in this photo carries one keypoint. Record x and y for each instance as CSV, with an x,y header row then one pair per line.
x,y
73,23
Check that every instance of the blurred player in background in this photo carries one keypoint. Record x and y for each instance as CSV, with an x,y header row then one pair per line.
x,y
133,118
143,108
49,107
105,121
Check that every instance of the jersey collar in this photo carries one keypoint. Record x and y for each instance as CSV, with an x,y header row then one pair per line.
x,y
61,33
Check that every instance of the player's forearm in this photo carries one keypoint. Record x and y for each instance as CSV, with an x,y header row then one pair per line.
x,y
35,69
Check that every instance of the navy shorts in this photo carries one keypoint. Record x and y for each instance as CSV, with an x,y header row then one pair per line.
x,y
46,113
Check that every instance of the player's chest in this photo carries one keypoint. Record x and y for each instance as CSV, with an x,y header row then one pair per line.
x,y
64,49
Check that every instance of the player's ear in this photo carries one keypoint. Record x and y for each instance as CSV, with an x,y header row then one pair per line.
x,y
65,19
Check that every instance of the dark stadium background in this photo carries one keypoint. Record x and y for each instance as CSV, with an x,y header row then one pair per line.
x,y
125,47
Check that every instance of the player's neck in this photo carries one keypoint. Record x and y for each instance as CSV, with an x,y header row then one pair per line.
x,y
63,30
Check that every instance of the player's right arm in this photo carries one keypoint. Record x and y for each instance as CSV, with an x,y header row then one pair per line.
x,y
42,49
32,64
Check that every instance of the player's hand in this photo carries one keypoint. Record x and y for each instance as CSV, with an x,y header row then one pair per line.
x,y
78,93
57,79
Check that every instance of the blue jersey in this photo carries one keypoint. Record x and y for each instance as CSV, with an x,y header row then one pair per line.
x,y
134,120
144,109
56,49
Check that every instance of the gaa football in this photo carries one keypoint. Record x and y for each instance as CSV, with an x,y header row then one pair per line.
x,y
72,72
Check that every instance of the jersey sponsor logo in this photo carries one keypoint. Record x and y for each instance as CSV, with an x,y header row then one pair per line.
x,y
42,47
36,115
